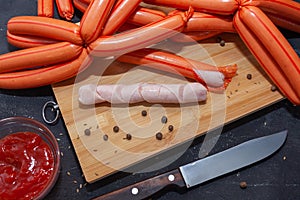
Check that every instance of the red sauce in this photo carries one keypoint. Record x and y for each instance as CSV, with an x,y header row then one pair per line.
x,y
26,164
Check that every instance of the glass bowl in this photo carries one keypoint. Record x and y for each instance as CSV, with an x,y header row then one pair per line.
x,y
11,125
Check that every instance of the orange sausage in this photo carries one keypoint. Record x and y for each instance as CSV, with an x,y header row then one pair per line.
x,y
65,9
27,41
194,36
82,6
45,76
209,22
39,56
283,22
139,38
173,63
271,50
94,19
46,27
143,16
45,8
223,7
287,11
119,14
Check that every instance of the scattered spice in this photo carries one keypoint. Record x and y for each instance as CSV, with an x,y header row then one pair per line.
x,y
273,88
128,136
105,137
243,184
144,113
222,43
284,158
171,127
68,173
159,136
77,190
116,129
164,119
87,132
249,76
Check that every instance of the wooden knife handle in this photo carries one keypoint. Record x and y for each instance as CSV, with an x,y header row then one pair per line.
x,y
146,188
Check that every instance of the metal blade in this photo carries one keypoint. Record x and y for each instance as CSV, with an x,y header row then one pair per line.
x,y
231,159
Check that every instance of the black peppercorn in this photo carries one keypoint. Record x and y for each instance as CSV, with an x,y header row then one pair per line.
x,y
164,119
87,132
159,136
171,127
116,129
222,43
273,88
105,137
128,136
144,113
249,76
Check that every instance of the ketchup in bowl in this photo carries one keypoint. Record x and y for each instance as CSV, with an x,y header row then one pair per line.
x,y
28,164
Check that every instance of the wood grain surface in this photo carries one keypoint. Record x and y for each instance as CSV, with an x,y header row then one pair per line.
x,y
102,152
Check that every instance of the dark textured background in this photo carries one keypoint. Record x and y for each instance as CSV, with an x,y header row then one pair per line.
x,y
271,179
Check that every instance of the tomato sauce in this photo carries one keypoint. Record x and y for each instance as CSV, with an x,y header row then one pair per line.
x,y
26,165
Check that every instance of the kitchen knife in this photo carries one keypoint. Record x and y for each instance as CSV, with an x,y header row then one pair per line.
x,y
204,169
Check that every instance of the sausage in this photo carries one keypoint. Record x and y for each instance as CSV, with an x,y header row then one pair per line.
x,y
139,38
143,16
119,14
45,76
140,92
65,9
223,7
45,8
27,41
39,56
259,47
209,22
287,11
94,18
194,36
283,22
46,27
165,61
82,6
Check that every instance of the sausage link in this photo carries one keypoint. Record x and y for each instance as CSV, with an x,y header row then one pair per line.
x,y
175,64
46,27
120,13
27,41
39,56
65,9
143,16
139,92
282,9
142,37
194,36
45,8
45,76
81,6
223,7
94,19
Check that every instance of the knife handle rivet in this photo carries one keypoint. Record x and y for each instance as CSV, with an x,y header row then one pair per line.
x,y
171,177
134,191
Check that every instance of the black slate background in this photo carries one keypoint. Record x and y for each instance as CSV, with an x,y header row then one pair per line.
x,y
271,179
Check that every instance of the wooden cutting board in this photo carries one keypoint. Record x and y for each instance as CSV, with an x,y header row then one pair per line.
x,y
89,125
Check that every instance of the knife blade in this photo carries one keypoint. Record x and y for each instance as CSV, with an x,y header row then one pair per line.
x,y
204,169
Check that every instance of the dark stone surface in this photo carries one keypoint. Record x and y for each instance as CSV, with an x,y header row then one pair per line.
x,y
276,177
